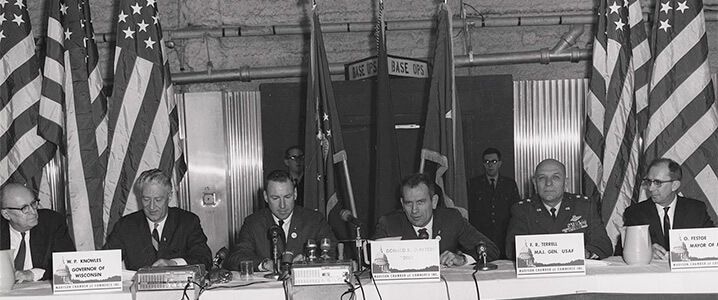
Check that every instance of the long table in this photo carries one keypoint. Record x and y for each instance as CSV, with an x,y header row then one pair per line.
x,y
610,277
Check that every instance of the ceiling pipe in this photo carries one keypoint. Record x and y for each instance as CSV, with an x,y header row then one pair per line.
x,y
568,39
246,74
294,29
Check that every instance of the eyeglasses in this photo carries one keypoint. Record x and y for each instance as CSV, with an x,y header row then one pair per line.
x,y
27,207
491,162
296,157
658,183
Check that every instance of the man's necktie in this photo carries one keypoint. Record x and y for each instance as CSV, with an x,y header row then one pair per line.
x,y
553,212
20,257
156,237
493,184
423,234
666,226
282,236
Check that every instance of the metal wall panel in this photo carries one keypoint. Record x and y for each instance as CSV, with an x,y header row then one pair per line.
x,y
243,117
548,123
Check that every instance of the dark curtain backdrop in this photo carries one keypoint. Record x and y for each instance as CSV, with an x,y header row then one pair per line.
x,y
487,103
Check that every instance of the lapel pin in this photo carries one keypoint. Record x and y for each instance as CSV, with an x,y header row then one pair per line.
x,y
294,235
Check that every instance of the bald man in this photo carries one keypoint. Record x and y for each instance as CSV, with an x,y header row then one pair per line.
x,y
34,233
553,210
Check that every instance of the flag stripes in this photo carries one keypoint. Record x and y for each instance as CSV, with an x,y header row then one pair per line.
x,y
23,153
683,121
618,86
143,118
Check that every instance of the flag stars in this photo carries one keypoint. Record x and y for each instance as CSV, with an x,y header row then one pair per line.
x,y
619,24
143,26
149,43
2,19
63,8
665,7
136,8
2,3
18,20
150,3
128,33
614,7
156,19
122,17
682,6
665,25
19,4
68,33
2,35
325,117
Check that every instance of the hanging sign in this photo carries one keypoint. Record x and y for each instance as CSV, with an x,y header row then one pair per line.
x,y
398,66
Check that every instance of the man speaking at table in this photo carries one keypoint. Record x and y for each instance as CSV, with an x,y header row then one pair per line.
x,y
295,226
421,219
159,235
553,210
667,210
34,233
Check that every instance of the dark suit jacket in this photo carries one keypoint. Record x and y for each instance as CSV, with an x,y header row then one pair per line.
x,y
577,214
490,209
455,231
690,213
182,237
48,236
254,243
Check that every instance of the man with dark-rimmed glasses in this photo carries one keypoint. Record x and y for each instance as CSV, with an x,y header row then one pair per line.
x,y
34,233
667,210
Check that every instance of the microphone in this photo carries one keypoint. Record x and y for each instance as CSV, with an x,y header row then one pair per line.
x,y
273,234
286,264
482,265
219,258
347,216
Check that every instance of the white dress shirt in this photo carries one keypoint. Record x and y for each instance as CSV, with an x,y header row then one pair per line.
x,y
671,212
160,228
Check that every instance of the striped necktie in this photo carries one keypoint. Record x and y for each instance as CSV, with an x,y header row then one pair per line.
x,y
156,237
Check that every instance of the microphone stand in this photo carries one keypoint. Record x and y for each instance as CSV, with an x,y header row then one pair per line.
x,y
482,265
359,245
275,258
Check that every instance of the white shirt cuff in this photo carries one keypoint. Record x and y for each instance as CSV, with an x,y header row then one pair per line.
x,y
469,259
37,273
179,261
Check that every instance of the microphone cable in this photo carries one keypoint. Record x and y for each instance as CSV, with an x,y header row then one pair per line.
x,y
361,287
446,284
376,287
476,283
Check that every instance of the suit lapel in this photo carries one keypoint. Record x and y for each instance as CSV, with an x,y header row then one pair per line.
x,y
297,222
5,234
169,229
564,213
408,233
37,245
678,214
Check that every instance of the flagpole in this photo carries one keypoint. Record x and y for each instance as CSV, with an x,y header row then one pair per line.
x,y
350,191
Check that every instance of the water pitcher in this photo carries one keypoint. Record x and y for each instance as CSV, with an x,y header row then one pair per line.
x,y
637,245
7,272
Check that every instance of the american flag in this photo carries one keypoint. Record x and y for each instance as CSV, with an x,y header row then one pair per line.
x,y
323,136
143,116
23,153
683,119
618,89
443,142
73,114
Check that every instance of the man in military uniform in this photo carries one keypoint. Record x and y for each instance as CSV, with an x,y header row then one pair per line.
x,y
552,210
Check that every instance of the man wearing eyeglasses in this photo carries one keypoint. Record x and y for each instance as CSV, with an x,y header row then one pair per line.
x,y
667,210
553,210
490,198
34,233
294,161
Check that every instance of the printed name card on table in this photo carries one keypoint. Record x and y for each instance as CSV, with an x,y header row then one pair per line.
x,y
405,260
550,255
87,270
694,248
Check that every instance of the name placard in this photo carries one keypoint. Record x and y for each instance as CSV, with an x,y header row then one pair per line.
x,y
398,66
550,255
405,260
694,248
87,270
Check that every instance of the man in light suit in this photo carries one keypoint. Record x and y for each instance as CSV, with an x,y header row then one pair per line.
x,y
159,235
421,219
297,225
666,210
34,233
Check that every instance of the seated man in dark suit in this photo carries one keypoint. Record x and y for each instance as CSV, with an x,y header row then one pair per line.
x,y
553,210
666,209
421,219
297,224
158,235
34,233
